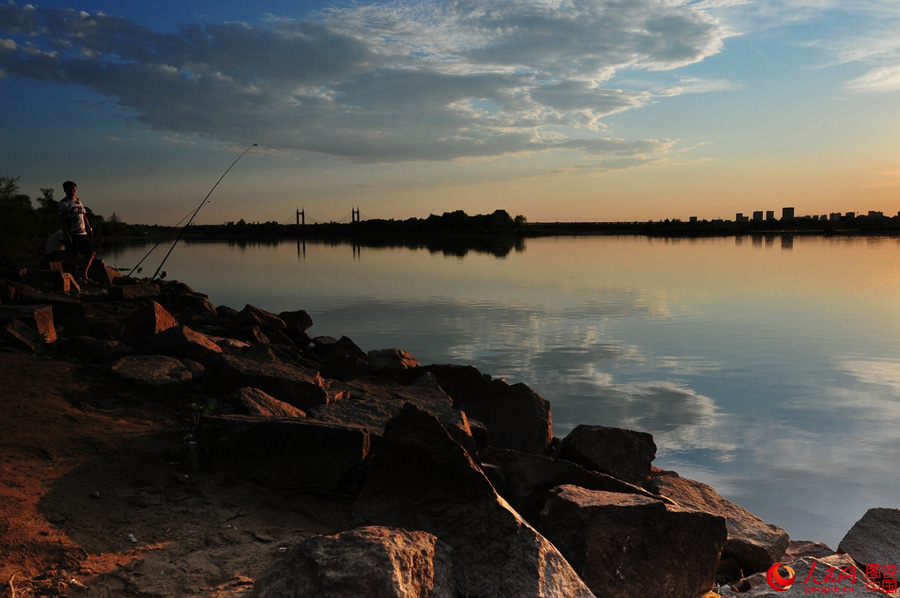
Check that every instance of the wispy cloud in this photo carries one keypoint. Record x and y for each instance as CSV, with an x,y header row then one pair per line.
x,y
882,79
383,82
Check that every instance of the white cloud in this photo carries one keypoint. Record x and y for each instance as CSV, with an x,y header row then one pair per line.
x,y
883,79
382,82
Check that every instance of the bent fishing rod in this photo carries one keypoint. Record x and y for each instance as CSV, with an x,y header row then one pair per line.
x,y
205,199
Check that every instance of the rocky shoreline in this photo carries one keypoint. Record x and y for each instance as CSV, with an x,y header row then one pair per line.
x,y
455,481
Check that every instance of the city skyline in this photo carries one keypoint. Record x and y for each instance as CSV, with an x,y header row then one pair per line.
x,y
560,110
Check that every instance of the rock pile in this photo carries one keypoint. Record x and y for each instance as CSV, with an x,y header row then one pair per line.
x,y
459,486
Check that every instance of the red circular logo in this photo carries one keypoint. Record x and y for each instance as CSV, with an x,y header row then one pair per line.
x,y
777,581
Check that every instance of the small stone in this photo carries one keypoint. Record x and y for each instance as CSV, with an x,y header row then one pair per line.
x,y
95,494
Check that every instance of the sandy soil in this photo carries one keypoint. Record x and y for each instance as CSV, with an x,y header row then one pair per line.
x,y
92,502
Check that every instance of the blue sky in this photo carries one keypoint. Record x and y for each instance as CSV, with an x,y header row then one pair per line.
x,y
554,109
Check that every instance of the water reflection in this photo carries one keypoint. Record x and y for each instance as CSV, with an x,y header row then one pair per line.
x,y
770,374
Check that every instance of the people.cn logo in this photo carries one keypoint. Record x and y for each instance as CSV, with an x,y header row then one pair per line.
x,y
777,581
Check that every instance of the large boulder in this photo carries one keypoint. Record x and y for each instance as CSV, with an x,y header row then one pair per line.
x,y
150,318
462,382
296,323
526,480
631,545
253,401
37,317
420,478
300,386
621,453
874,539
367,561
102,273
516,416
254,316
152,370
285,453
752,542
391,360
181,341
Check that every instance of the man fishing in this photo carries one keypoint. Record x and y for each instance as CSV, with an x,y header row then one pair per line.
x,y
76,229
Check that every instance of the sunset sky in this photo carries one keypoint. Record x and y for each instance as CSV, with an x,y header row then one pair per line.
x,y
559,110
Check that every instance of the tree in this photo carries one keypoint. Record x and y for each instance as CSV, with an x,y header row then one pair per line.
x,y
10,198
47,203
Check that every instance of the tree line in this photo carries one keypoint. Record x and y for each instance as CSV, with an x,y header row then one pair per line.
x,y
29,222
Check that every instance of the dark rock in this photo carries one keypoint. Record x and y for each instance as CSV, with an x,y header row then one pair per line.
x,y
64,307
874,539
181,341
367,561
284,453
97,349
252,401
226,314
462,382
321,344
20,335
420,478
797,549
51,280
466,433
150,318
728,571
39,318
623,454
295,322
515,415
100,272
391,359
191,304
526,480
296,385
153,370
133,291
370,404
251,334
103,327
755,544
630,545
254,316
343,360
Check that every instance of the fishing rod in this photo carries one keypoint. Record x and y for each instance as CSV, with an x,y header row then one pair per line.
x,y
205,199
158,243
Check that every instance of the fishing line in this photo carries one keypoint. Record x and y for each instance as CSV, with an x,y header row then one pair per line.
x,y
205,199
158,243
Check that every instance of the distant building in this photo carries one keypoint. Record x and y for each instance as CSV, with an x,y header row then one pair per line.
x,y
850,215
770,214
787,213
835,216
693,220
115,218
873,214
758,216
739,217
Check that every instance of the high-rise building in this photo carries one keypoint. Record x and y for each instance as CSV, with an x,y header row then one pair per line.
x,y
758,215
787,213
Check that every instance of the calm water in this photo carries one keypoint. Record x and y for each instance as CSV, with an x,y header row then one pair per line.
x,y
767,367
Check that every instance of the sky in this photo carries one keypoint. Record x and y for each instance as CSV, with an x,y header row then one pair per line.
x,y
557,110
